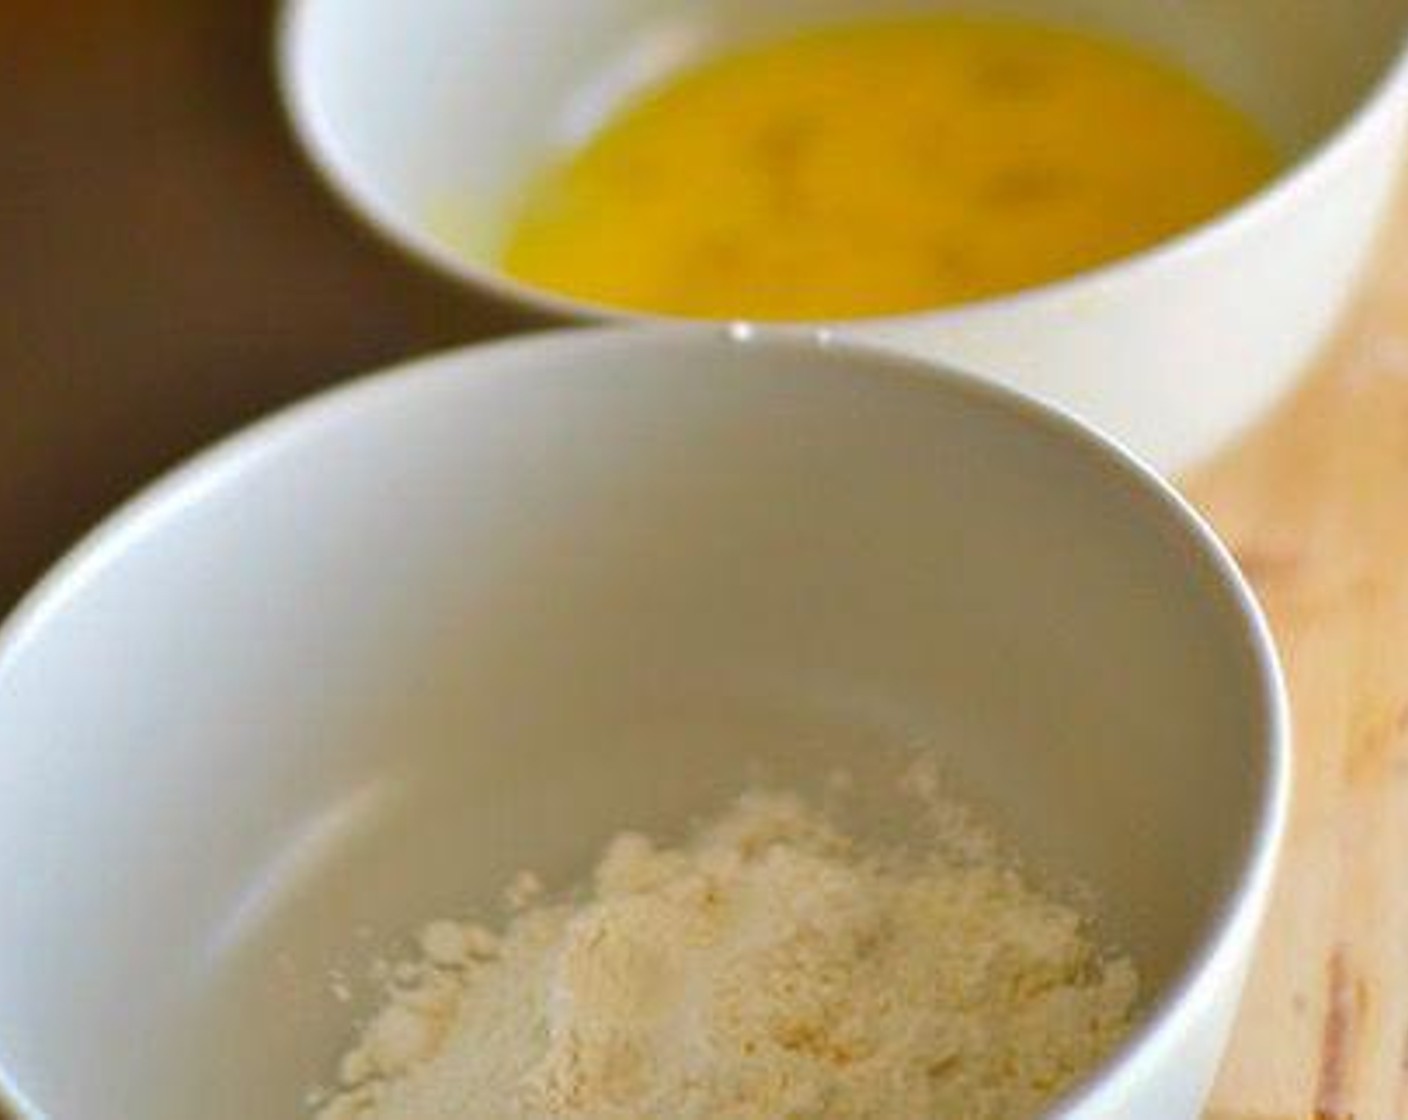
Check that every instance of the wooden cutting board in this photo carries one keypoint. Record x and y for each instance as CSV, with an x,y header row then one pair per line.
x,y
1315,506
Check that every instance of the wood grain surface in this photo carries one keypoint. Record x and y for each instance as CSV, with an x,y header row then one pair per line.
x,y
1315,506
168,269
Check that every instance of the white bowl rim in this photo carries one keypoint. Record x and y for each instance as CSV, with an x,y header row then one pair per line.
x,y
393,227
1243,901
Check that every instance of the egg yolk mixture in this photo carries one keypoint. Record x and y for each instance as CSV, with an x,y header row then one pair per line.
x,y
882,168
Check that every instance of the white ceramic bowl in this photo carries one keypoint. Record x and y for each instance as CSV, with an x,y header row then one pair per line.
x,y
354,667
404,106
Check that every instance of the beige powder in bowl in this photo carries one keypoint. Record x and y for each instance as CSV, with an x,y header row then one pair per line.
x,y
770,968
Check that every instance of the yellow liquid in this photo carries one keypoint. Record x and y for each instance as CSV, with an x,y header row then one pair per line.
x,y
880,168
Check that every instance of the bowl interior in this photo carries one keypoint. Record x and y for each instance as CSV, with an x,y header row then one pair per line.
x,y
354,669
430,114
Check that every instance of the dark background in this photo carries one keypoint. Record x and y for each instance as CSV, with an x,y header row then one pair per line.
x,y
169,266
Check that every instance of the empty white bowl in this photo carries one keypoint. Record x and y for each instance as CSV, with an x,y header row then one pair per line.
x,y
410,107
354,667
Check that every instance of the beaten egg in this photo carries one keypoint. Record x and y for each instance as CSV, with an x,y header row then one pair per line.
x,y
882,168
